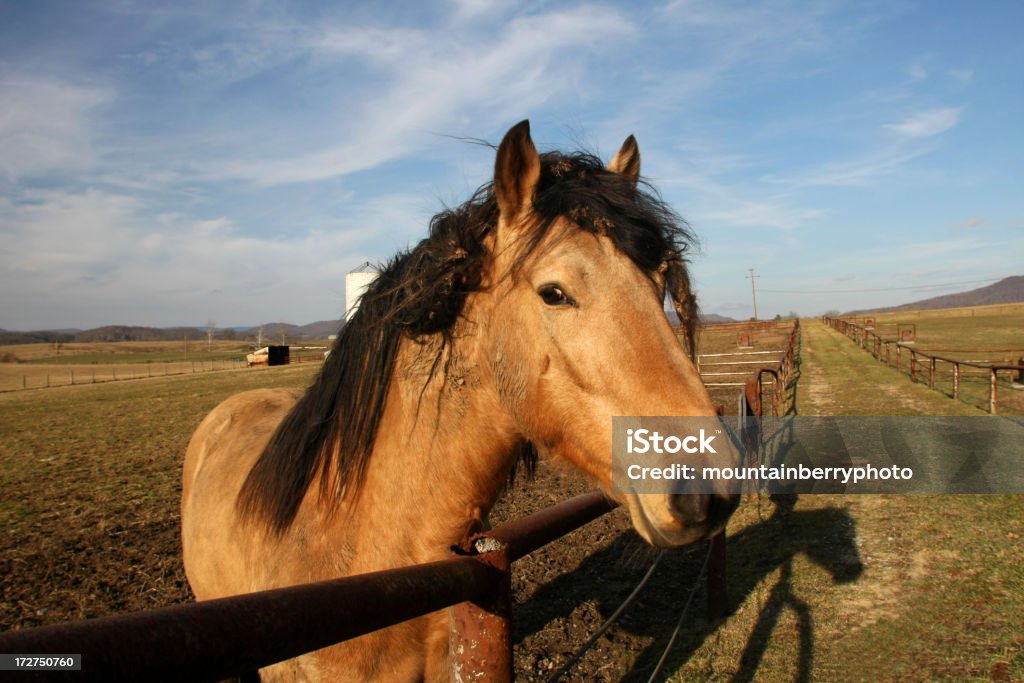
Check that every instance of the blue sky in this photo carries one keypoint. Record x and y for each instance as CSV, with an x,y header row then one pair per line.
x,y
173,163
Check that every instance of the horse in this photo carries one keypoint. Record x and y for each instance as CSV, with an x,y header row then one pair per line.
x,y
530,315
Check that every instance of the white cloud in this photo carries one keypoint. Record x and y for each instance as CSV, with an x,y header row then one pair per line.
x,y
45,124
962,75
90,258
917,71
761,215
859,171
927,123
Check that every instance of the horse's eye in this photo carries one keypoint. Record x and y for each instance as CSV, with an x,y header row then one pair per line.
x,y
554,296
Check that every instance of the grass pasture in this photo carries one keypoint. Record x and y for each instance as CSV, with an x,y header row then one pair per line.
x,y
91,477
37,366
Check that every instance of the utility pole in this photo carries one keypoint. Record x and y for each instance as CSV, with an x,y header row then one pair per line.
x,y
753,292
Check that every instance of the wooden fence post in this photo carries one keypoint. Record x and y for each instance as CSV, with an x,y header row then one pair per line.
x,y
992,392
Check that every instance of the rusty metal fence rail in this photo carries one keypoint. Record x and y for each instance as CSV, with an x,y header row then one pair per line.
x,y
215,639
922,366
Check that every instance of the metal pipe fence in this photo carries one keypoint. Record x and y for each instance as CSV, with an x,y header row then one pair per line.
x,y
923,366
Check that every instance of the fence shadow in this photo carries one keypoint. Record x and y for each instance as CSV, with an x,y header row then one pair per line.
x,y
826,536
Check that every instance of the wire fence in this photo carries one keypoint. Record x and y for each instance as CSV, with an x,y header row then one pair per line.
x,y
30,376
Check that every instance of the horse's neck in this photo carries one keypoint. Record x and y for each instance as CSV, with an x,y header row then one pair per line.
x,y
441,457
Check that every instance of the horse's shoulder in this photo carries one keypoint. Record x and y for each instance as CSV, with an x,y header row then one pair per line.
x,y
260,401
249,411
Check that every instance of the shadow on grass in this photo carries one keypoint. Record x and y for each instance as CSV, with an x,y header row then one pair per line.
x,y
827,537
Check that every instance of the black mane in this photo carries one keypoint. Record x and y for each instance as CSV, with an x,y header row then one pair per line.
x,y
421,293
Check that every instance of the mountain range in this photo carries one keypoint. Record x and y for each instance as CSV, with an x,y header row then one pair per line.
x,y
272,333
1007,291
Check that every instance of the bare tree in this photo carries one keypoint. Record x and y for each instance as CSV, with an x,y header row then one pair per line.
x,y
259,337
211,327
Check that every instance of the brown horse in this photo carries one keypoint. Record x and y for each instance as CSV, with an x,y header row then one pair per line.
x,y
530,316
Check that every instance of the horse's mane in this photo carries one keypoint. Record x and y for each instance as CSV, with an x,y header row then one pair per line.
x,y
420,293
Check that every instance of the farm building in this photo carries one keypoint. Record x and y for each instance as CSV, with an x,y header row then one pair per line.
x,y
356,282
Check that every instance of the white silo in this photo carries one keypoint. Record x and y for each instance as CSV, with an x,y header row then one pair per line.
x,y
356,282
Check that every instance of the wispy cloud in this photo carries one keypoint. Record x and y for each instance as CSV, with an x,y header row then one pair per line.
x,y
962,75
429,84
106,258
46,124
927,123
917,71
859,171
775,215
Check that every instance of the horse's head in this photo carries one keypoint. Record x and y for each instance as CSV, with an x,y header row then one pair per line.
x,y
576,332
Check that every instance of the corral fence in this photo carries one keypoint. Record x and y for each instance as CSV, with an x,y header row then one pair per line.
x,y
929,367
236,636
751,369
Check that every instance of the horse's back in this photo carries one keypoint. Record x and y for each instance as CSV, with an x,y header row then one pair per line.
x,y
223,449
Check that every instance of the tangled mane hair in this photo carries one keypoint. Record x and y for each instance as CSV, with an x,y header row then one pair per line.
x,y
420,293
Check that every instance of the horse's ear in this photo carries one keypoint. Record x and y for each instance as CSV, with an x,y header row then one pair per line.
x,y
516,171
627,161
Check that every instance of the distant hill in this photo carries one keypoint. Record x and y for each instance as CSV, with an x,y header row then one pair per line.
x,y
120,333
321,329
1007,291
705,318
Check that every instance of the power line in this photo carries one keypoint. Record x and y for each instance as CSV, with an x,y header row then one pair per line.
x,y
879,289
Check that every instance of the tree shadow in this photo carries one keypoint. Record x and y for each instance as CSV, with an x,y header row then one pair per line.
x,y
826,536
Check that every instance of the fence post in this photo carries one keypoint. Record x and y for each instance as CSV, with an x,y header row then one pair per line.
x,y
717,581
992,392
956,380
931,374
480,631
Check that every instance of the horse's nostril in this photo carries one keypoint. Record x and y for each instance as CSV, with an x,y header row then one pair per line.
x,y
691,508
